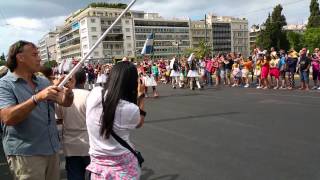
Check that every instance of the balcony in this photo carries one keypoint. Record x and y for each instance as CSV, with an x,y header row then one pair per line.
x,y
70,48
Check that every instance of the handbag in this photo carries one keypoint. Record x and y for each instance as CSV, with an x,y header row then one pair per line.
x,y
126,145
123,143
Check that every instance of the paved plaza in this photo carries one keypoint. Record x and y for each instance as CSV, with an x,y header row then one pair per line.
x,y
228,134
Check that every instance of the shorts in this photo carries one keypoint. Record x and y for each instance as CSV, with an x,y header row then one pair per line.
x,y
304,76
217,72
245,73
222,73
283,74
316,75
275,72
228,73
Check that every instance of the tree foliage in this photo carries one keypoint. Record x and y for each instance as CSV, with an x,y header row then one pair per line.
x,y
109,5
311,38
50,64
295,40
202,50
272,35
2,57
314,18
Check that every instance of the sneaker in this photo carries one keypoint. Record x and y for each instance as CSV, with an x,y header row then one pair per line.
x,y
259,87
276,87
246,86
318,88
233,85
282,88
314,88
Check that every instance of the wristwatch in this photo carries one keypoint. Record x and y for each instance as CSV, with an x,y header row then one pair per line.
x,y
143,113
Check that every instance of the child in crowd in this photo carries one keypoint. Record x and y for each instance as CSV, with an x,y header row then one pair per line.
x,y
236,73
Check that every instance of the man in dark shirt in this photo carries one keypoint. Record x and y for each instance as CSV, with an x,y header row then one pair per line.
x,y
304,66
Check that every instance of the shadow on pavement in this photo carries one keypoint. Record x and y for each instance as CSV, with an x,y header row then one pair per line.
x,y
191,117
147,173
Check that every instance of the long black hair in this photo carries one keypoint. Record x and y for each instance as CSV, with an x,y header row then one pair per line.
x,y
121,84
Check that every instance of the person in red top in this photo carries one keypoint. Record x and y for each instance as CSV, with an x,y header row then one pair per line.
x,y
209,69
265,71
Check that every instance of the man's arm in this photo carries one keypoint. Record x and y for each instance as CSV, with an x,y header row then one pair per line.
x,y
15,114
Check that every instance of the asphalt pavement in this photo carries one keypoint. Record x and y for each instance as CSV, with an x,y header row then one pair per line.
x,y
228,134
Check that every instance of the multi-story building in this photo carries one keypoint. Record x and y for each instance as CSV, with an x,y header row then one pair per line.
x,y
229,34
254,33
200,32
298,28
172,36
82,29
47,47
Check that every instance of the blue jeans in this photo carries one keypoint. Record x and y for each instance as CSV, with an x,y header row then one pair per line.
x,y
209,78
76,167
304,76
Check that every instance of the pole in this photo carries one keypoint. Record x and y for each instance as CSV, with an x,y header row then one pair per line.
x,y
77,67
205,25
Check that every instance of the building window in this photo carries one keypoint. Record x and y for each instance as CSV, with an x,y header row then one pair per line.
x,y
127,22
84,30
129,45
85,46
94,37
84,38
93,20
128,37
96,53
127,29
82,22
93,29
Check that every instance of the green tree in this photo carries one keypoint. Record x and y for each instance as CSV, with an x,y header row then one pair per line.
x,y
188,51
272,34
109,5
51,63
314,18
2,57
295,40
311,38
202,50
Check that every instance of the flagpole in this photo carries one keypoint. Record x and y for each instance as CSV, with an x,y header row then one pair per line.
x,y
78,66
154,39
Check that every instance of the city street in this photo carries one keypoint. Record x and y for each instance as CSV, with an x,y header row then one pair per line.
x,y
231,134
228,134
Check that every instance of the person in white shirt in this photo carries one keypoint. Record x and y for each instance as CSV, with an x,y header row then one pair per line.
x,y
75,138
120,111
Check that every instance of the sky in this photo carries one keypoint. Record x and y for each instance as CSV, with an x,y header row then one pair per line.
x,y
31,19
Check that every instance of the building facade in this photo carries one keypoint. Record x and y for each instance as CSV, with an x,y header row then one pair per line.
x,y
229,34
47,47
172,36
83,28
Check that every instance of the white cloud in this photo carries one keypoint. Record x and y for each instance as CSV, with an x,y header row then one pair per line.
x,y
30,29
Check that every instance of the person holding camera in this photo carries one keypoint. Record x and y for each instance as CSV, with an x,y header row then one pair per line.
x,y
113,111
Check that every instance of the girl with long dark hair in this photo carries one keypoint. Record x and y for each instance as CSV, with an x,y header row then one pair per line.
x,y
115,107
